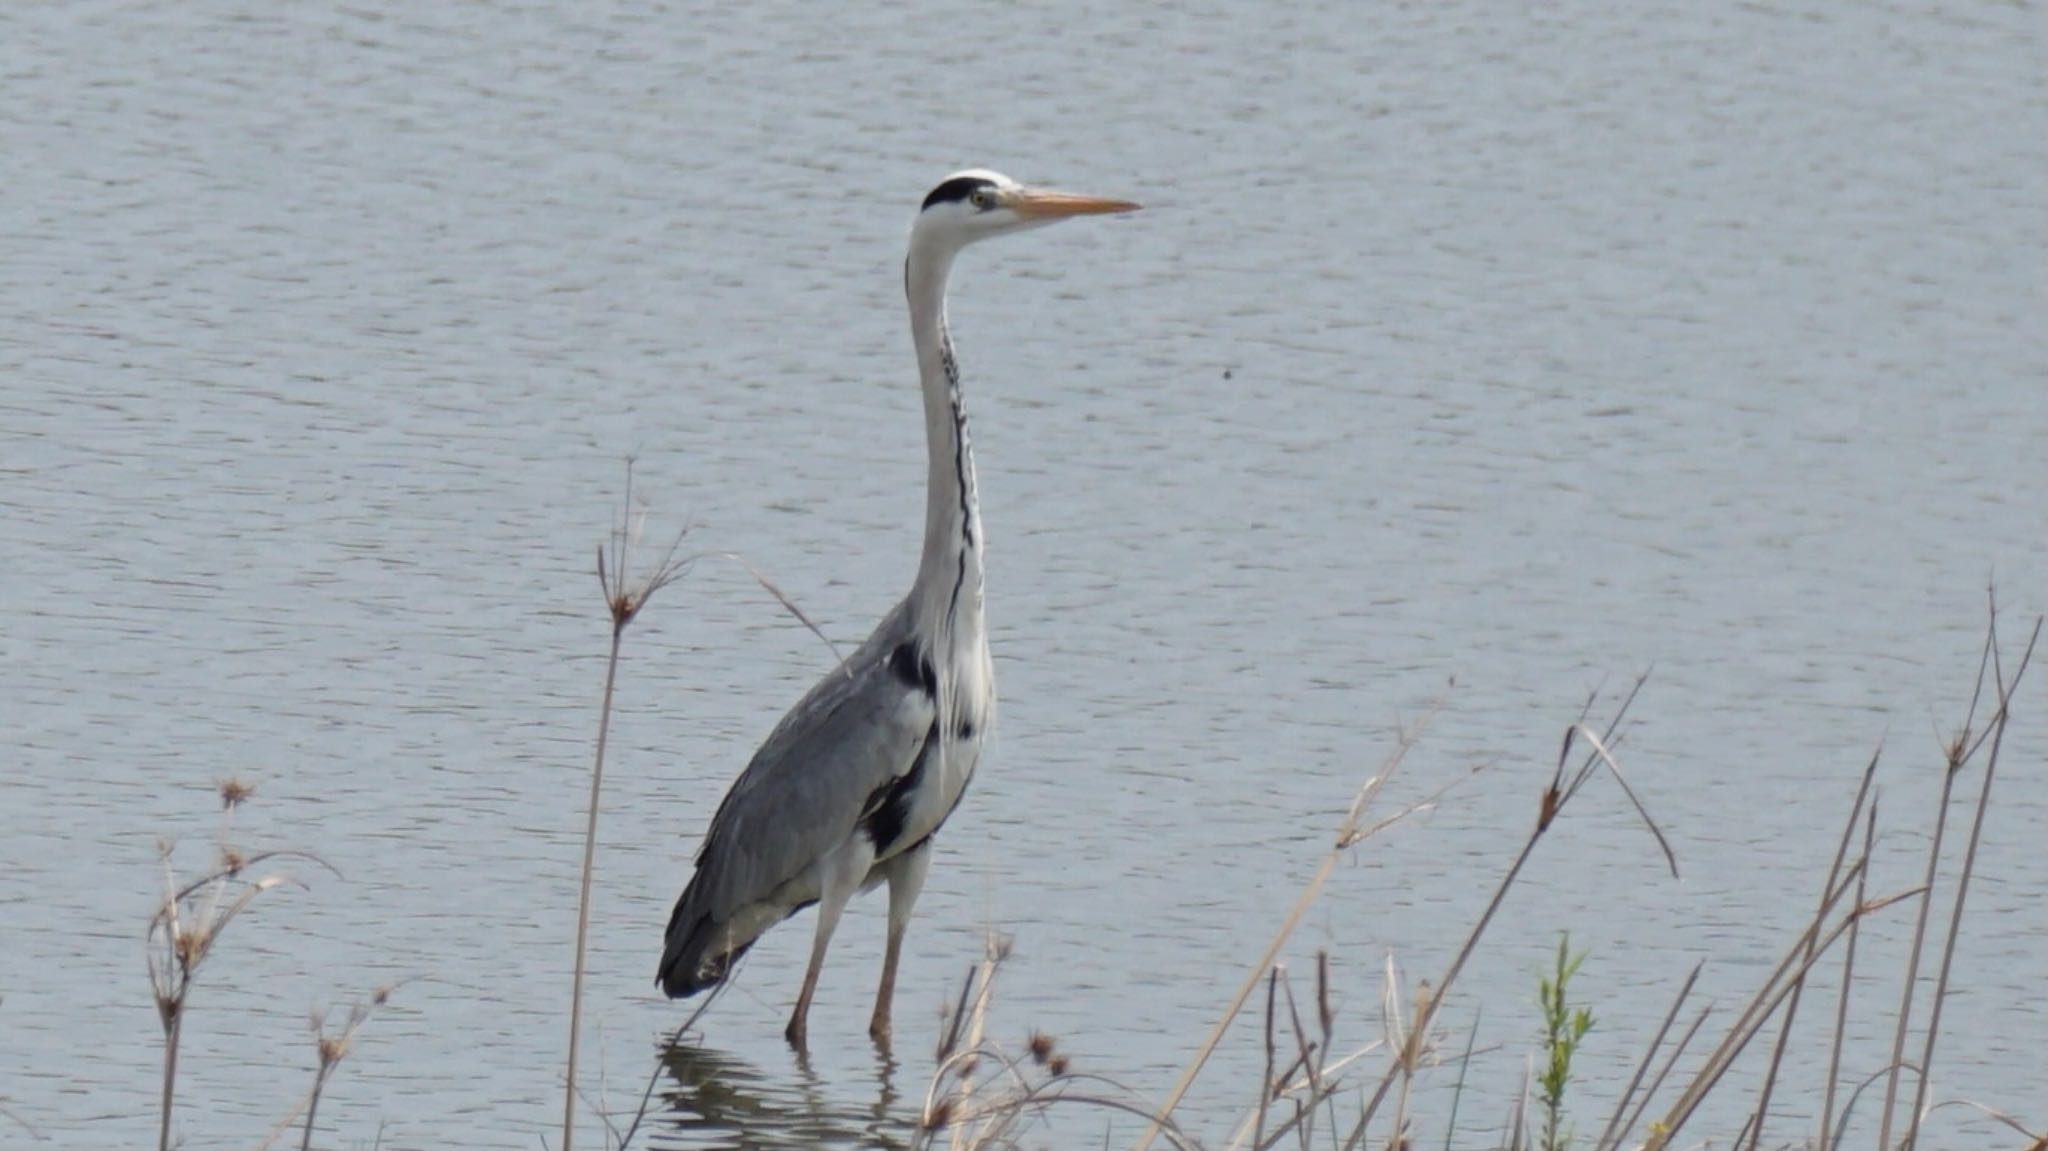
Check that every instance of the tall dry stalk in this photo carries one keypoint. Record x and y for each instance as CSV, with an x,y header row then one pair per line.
x,y
622,1138
329,1048
1609,1136
1953,768
1964,745
1827,1100
1349,834
1306,1078
187,924
1458,1089
1812,944
1763,1106
624,596
981,1094
1552,803
1912,980
1783,983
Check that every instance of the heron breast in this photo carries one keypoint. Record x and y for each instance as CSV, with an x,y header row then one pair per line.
x,y
910,809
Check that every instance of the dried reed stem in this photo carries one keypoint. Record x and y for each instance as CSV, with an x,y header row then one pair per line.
x,y
1611,1134
980,1114
2036,1141
1763,1105
621,1140
1348,834
170,1082
1906,992
330,1050
1552,803
1843,904
1518,1127
583,895
1998,722
1765,1003
1664,1072
1827,1107
1799,958
624,597
1458,1089
1268,1085
183,931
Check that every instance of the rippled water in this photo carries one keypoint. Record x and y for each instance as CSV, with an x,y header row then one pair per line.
x,y
1530,348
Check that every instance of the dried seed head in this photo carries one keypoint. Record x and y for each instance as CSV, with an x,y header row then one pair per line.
x,y
939,1113
191,947
1041,1047
233,791
332,1048
1057,1065
232,860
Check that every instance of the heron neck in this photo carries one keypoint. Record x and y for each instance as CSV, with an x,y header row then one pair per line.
x,y
949,575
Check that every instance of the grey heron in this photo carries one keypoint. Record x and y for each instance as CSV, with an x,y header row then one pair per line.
x,y
850,787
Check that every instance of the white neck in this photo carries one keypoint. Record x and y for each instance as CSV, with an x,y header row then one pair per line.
x,y
949,575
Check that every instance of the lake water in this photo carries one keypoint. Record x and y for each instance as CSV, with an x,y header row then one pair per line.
x,y
1527,346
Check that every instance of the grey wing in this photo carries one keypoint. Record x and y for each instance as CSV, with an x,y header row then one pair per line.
x,y
830,759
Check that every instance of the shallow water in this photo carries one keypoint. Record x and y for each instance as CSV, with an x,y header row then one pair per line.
x,y
1528,349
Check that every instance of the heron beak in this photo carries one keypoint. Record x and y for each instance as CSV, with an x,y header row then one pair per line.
x,y
1046,204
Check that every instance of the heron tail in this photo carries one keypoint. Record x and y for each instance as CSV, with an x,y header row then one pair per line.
x,y
688,964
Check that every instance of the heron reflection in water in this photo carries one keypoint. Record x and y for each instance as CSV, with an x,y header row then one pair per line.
x,y
711,1098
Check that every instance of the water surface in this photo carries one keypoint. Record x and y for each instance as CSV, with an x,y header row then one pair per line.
x,y
1528,348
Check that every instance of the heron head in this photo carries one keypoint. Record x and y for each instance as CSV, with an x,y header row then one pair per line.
x,y
977,203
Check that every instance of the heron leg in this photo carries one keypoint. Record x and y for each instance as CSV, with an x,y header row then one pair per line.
x,y
828,921
906,875
840,874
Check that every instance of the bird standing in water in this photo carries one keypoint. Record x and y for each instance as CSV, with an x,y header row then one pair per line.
x,y
850,787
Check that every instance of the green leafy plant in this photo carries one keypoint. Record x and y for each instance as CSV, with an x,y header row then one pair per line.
x,y
1564,1026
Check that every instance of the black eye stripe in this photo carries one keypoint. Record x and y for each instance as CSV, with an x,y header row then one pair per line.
x,y
956,189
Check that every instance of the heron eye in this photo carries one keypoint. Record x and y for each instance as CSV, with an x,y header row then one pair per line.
x,y
982,198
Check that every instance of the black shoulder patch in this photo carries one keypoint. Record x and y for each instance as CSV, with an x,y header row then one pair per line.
x,y
957,188
887,810
914,668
